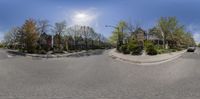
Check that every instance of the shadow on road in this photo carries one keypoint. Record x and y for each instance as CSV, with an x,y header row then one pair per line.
x,y
15,53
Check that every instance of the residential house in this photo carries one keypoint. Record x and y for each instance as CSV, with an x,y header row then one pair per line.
x,y
45,41
139,35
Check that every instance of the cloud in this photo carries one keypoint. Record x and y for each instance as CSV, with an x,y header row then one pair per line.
x,y
197,37
195,29
87,17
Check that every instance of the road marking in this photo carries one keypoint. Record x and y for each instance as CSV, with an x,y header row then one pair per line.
x,y
9,56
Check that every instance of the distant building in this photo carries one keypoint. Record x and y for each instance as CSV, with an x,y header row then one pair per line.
x,y
56,42
155,39
139,35
45,41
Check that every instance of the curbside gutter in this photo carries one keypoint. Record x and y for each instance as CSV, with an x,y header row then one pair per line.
x,y
146,60
49,55
55,55
45,55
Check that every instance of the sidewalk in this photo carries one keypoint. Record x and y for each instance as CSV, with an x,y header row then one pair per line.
x,y
55,55
49,55
146,60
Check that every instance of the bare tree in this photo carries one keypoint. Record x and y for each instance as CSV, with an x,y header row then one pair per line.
x,y
86,34
59,29
11,38
74,32
43,26
132,27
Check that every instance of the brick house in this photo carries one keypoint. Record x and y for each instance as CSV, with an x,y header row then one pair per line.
x,y
45,41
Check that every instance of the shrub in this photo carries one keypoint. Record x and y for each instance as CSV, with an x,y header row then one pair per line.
x,y
134,48
158,47
161,51
57,50
124,49
1,45
137,50
151,50
42,52
179,49
173,50
147,44
131,46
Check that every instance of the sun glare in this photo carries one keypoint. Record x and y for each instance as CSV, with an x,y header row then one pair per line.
x,y
80,16
83,18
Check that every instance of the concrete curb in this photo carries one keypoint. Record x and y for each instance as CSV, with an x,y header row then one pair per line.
x,y
47,55
116,56
55,55
81,53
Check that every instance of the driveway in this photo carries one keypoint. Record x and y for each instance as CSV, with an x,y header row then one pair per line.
x,y
99,77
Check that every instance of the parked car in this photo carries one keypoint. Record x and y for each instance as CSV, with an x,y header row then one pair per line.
x,y
191,49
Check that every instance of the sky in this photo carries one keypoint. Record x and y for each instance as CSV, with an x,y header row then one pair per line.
x,y
98,13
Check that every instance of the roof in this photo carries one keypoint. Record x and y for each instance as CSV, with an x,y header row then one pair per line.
x,y
153,37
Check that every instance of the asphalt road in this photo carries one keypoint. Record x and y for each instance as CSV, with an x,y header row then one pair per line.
x,y
98,77
8,54
3,54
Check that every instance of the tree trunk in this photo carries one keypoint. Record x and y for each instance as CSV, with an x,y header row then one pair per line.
x,y
86,44
164,43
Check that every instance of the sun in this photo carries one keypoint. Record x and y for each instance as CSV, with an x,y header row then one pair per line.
x,y
83,18
80,16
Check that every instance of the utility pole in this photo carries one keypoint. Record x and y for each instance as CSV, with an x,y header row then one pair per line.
x,y
118,35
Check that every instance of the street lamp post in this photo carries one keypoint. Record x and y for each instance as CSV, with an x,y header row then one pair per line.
x,y
118,35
